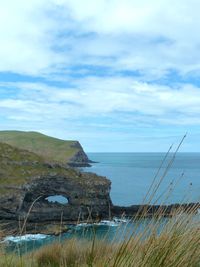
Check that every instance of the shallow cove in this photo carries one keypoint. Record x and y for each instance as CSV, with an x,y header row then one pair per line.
x,y
107,230
111,231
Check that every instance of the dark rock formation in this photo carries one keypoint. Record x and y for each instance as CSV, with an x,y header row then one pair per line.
x,y
26,181
85,198
153,210
80,159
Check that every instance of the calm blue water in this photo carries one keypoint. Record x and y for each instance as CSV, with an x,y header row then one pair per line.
x,y
132,174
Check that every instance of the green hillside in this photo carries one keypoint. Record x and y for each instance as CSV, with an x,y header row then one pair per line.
x,y
50,148
16,165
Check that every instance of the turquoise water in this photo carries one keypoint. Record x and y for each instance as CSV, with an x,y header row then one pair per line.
x,y
132,174
113,232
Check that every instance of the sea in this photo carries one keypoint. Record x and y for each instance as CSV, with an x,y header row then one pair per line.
x,y
137,178
132,175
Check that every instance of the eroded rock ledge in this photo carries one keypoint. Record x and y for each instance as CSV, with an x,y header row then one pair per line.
x,y
155,210
85,198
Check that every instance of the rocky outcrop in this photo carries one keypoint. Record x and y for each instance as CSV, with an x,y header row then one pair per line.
x,y
86,198
26,181
80,159
154,210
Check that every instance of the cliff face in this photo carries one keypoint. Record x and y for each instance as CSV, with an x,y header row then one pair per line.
x,y
26,180
51,149
79,159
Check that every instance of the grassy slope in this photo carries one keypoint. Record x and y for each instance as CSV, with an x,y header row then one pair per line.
x,y
52,149
18,166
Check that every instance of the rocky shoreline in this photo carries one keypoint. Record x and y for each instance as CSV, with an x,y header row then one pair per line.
x,y
17,228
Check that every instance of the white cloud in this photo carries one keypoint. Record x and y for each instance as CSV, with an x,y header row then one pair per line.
x,y
90,97
26,37
40,37
152,36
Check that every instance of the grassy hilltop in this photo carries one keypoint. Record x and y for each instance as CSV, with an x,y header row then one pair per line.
x,y
19,166
50,148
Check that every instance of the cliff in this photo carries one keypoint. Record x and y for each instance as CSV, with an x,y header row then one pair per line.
x,y
26,180
51,149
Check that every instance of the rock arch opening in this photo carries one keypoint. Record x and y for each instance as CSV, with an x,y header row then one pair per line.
x,y
60,199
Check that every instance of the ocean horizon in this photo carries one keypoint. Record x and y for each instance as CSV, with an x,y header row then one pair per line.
x,y
132,173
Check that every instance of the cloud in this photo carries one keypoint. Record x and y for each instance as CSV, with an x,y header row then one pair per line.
x,y
44,37
92,96
26,37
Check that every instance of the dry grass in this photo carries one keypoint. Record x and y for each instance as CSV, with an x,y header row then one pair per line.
x,y
176,245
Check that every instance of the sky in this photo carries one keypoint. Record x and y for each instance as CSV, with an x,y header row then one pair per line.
x,y
115,75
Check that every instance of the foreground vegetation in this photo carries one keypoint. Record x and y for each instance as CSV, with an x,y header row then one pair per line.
x,y
176,244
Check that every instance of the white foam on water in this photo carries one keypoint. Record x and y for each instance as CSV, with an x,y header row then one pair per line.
x,y
108,223
28,237
113,223
101,223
